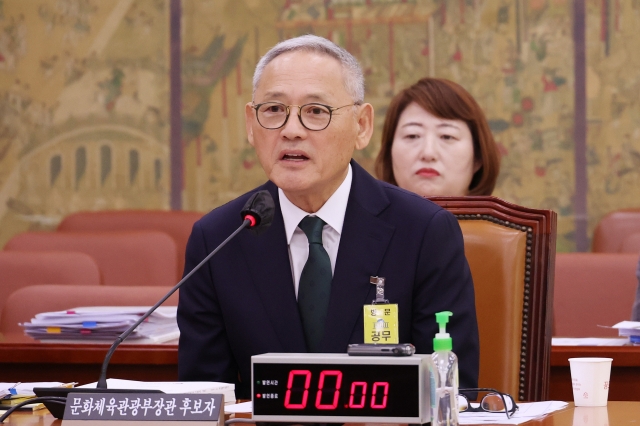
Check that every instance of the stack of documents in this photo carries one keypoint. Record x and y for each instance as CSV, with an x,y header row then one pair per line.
x,y
104,323
630,329
226,389
527,411
14,393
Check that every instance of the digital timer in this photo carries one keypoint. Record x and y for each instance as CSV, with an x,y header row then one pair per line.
x,y
326,388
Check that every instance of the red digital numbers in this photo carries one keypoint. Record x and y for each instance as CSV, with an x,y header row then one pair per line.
x,y
363,394
357,394
374,393
305,393
336,390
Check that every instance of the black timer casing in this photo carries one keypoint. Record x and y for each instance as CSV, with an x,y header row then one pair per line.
x,y
326,388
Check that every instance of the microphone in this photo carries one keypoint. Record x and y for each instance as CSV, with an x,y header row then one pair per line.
x,y
257,215
259,210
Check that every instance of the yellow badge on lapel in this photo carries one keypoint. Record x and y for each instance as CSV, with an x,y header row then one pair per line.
x,y
381,323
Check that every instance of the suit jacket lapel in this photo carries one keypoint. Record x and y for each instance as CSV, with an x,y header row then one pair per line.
x,y
363,242
270,268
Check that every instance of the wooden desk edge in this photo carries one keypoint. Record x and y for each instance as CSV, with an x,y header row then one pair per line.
x,y
62,353
623,356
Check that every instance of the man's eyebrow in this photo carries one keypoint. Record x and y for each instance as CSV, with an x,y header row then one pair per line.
x,y
313,97
271,95
316,97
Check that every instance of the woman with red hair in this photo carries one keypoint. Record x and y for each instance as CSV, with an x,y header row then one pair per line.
x,y
436,141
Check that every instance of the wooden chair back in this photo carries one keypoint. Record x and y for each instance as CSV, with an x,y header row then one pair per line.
x,y
631,244
127,258
593,289
511,251
23,268
613,229
177,224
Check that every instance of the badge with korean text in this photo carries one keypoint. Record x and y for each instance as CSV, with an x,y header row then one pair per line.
x,y
381,317
381,323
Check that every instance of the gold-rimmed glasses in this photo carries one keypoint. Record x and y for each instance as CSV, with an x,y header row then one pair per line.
x,y
313,116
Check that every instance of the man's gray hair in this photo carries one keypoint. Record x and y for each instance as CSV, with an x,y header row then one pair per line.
x,y
351,71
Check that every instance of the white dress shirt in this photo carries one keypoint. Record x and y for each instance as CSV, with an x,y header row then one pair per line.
x,y
332,212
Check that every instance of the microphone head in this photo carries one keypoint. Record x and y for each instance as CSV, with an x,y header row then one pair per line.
x,y
260,207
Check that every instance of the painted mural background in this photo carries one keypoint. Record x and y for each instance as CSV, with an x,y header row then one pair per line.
x,y
83,109
84,95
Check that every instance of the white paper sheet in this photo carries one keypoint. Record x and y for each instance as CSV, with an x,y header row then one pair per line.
x,y
27,388
589,341
527,411
243,407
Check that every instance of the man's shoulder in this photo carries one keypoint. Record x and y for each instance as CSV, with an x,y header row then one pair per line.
x,y
382,197
408,205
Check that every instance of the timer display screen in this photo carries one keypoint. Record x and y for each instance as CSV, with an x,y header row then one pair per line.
x,y
336,390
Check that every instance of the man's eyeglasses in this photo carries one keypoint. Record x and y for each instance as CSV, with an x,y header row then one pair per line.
x,y
313,116
492,402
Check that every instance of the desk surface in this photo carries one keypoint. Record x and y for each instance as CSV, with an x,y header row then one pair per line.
x,y
625,371
617,412
24,360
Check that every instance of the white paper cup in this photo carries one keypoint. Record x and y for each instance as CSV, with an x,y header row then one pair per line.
x,y
590,416
590,381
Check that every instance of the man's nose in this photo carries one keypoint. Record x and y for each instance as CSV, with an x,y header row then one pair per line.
x,y
293,128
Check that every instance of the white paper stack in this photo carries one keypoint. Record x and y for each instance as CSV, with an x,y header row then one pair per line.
x,y
630,329
104,324
226,389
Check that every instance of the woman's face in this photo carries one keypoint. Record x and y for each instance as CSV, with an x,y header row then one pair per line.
x,y
432,156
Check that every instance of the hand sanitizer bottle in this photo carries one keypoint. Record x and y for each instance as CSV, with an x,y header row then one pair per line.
x,y
444,379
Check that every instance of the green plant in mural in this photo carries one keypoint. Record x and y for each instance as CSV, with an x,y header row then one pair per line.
x,y
200,74
112,88
539,47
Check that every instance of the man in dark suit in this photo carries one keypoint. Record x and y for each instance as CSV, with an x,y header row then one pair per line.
x,y
301,285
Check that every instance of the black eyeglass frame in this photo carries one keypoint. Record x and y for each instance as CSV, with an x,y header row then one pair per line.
x,y
288,107
509,413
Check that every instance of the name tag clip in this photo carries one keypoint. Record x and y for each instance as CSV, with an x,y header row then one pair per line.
x,y
379,283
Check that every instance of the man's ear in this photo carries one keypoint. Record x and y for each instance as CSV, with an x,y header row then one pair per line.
x,y
249,116
365,116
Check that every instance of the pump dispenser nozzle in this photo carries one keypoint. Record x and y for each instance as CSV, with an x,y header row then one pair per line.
x,y
442,341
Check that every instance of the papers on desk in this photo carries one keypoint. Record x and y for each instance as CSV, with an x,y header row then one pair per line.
x,y
14,394
104,323
589,341
630,329
26,389
527,411
226,389
242,407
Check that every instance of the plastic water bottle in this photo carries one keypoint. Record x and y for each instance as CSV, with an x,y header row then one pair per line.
x,y
444,377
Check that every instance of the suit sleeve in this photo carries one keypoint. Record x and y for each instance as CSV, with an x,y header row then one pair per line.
x,y
444,283
204,353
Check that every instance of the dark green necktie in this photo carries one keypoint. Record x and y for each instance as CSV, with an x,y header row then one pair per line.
x,y
314,288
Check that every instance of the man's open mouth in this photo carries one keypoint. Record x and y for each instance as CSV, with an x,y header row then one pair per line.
x,y
294,157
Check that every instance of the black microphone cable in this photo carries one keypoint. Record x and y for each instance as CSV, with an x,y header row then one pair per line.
x,y
55,399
